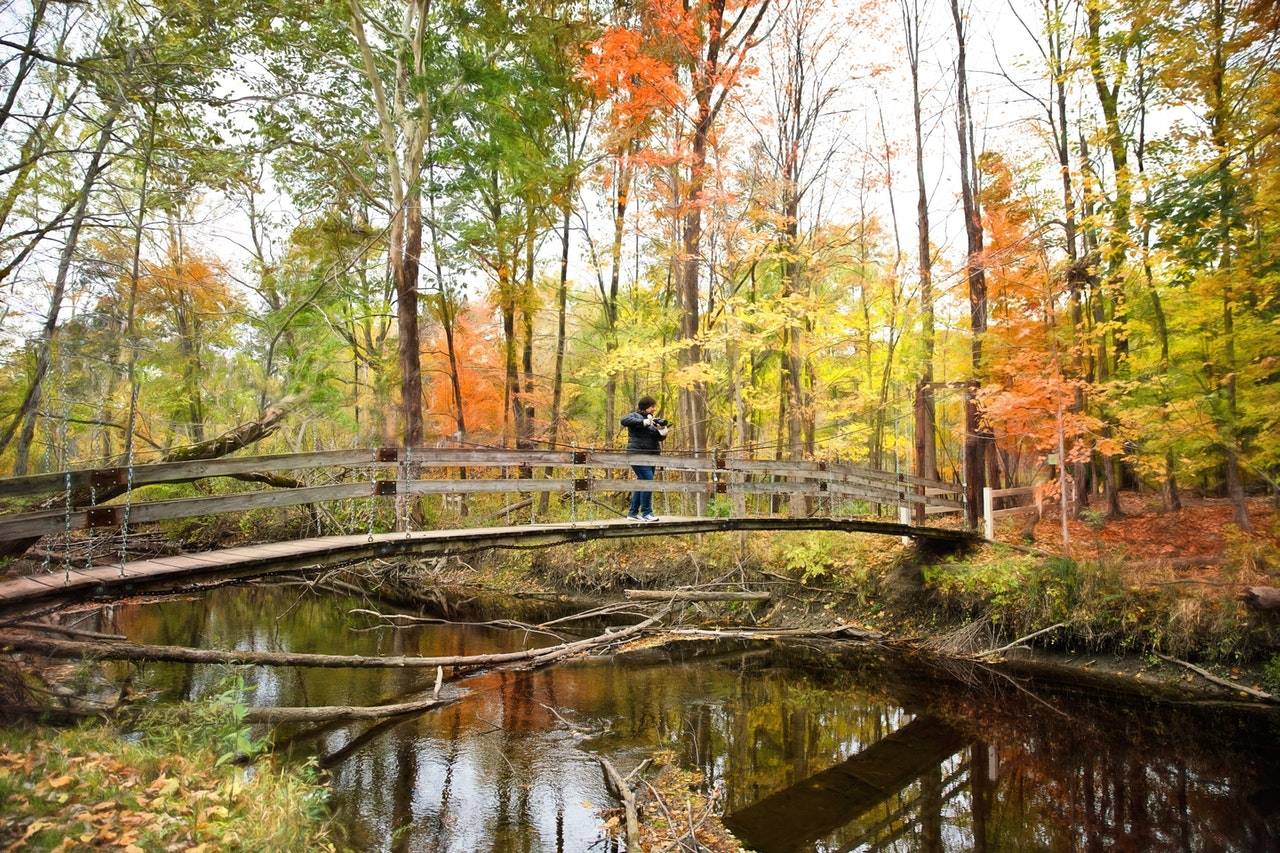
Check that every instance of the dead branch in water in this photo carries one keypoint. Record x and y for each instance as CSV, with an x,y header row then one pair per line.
x,y
693,595
182,654
1221,682
400,620
618,787
1022,640
326,713
851,632
68,632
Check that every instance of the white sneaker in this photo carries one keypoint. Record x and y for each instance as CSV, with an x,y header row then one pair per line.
x,y
636,518
649,517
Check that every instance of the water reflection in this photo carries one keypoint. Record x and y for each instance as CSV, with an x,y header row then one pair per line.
x,y
811,751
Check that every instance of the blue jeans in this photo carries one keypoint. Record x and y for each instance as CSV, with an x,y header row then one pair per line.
x,y
642,502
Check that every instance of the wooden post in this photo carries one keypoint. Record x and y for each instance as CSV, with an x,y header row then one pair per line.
x,y
988,513
904,517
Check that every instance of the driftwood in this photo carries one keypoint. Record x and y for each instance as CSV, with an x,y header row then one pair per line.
x,y
1021,640
67,632
1262,597
850,632
326,713
1221,682
182,654
618,787
693,595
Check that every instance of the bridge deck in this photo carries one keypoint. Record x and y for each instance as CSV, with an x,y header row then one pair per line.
x,y
160,574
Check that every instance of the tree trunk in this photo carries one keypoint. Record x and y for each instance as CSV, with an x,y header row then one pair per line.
x,y
977,443
31,401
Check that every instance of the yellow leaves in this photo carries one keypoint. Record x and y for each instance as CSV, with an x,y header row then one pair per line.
x,y
85,788
163,786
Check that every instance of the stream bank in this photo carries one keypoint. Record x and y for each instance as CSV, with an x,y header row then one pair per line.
x,y
853,744
1115,622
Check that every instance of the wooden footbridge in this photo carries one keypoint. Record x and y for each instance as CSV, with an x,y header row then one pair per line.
x,y
707,494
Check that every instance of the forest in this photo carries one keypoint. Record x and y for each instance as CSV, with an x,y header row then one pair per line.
x,y
988,243
867,255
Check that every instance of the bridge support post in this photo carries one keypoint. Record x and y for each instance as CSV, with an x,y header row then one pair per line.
x,y
988,513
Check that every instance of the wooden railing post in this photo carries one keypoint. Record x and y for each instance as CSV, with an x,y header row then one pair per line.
x,y
988,513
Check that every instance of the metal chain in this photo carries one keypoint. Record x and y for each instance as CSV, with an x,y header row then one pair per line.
x,y
373,500
66,529
128,509
66,483
403,486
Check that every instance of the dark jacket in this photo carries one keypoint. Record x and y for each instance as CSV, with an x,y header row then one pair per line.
x,y
641,438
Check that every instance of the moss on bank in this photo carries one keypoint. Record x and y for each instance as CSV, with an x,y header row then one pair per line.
x,y
171,781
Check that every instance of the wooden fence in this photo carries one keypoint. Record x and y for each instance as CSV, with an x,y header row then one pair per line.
x,y
990,513
389,473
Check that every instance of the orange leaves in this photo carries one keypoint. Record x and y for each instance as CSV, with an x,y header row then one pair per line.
x,y
640,85
480,375
194,282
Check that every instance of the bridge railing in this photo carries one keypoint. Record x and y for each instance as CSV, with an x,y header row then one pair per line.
x,y
74,499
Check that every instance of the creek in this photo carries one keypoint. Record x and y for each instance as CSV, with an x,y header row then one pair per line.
x,y
806,746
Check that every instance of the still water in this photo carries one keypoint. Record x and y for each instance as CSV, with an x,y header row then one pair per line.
x,y
807,748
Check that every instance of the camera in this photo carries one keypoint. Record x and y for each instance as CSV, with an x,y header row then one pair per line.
x,y
661,422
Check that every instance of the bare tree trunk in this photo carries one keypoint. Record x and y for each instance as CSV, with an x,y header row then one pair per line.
x,y
977,444
925,410
525,437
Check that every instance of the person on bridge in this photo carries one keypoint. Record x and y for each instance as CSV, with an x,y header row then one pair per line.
x,y
645,432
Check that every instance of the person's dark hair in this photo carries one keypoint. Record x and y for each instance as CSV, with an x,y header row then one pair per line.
x,y
645,402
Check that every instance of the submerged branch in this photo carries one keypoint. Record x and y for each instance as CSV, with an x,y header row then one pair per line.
x,y
183,654
325,713
1221,682
618,787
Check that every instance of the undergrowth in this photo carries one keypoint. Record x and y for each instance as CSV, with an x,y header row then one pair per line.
x,y
1101,608
1103,604
176,780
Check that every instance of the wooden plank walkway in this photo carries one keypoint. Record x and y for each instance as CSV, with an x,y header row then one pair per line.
x,y
161,574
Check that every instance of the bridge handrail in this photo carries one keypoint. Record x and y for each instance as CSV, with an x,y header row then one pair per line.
x,y
43,522
153,473
716,473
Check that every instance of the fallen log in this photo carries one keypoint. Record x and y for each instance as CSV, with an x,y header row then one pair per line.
x,y
693,595
75,633
1221,682
236,438
618,787
1262,597
326,713
76,649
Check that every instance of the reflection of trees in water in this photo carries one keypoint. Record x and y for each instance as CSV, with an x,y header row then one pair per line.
x,y
1130,777
1112,775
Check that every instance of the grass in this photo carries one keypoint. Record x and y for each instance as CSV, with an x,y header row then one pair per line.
x,y
1101,605
174,781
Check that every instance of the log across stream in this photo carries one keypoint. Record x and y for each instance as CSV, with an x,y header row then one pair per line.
x,y
806,745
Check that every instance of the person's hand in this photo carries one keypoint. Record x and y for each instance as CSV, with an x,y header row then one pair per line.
x,y
648,421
